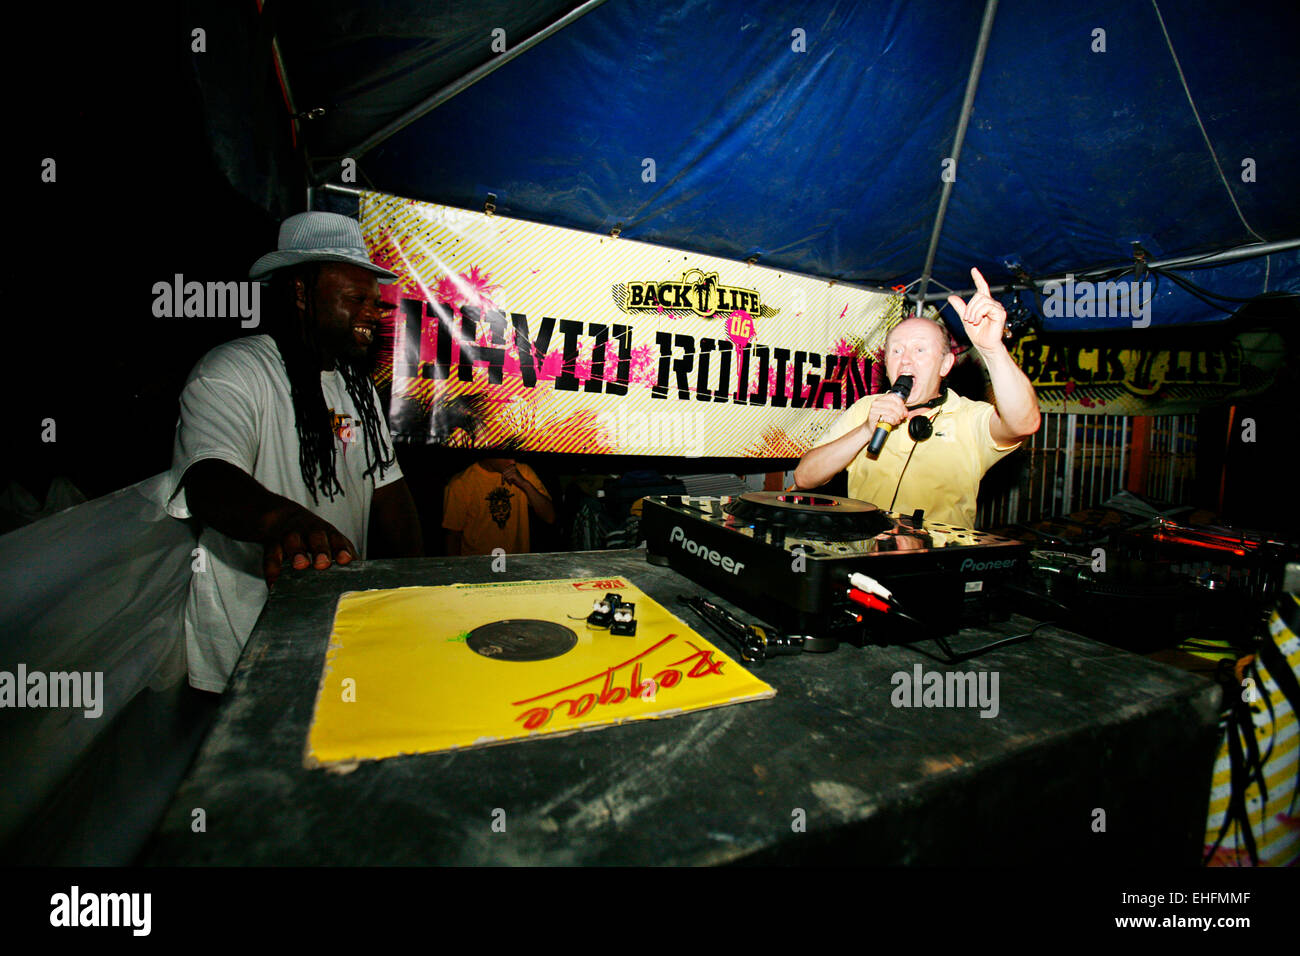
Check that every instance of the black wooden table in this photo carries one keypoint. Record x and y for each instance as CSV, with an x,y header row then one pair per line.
x,y
1096,756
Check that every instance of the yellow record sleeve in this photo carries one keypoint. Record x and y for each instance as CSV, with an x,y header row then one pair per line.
x,y
429,669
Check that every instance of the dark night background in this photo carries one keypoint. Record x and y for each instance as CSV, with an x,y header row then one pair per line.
x,y
139,198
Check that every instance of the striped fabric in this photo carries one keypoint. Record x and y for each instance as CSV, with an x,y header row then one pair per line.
x,y
317,237
1274,824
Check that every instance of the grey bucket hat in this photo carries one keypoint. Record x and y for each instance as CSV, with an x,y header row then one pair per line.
x,y
318,237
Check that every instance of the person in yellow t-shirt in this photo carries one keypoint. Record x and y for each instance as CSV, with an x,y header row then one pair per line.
x,y
486,506
941,472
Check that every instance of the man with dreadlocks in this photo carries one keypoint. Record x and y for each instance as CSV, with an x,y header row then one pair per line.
x,y
282,450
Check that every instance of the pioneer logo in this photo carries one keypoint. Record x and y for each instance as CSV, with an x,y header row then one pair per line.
x,y
970,564
703,553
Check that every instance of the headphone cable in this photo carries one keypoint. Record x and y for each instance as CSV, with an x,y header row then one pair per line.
x,y
912,452
900,476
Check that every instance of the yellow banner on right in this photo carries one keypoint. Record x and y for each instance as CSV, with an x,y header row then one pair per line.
x,y
1083,376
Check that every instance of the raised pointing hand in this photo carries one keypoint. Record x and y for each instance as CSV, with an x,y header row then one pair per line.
x,y
983,316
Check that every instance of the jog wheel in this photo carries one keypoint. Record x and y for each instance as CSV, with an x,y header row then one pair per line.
x,y
821,514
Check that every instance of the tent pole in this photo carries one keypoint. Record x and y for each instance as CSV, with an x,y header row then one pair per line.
x,y
465,82
967,105
1218,258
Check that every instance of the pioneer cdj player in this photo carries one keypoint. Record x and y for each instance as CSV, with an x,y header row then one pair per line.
x,y
831,569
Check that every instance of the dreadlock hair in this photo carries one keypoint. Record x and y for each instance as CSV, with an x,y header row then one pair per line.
x,y
295,336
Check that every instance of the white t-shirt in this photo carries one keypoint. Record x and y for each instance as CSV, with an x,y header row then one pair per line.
x,y
236,407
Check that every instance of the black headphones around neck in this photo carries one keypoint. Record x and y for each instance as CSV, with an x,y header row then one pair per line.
x,y
918,429
922,427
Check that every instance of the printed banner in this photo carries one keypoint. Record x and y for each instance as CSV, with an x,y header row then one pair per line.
x,y
425,669
1071,376
519,336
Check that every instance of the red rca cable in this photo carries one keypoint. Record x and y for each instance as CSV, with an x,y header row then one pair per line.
x,y
868,600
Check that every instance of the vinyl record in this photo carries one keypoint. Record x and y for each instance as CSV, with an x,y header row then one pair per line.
x,y
803,501
820,514
521,640
1041,559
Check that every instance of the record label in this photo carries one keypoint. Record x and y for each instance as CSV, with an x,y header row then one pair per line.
x,y
522,640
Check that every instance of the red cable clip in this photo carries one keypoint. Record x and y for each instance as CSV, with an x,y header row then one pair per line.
x,y
868,600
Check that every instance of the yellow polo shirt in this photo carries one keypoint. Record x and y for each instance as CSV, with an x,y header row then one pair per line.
x,y
944,474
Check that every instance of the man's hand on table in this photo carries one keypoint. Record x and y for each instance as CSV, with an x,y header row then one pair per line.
x,y
302,540
227,498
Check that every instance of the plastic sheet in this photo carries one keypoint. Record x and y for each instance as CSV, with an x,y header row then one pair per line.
x,y
97,589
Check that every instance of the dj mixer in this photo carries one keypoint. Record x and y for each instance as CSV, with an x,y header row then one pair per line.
x,y
827,569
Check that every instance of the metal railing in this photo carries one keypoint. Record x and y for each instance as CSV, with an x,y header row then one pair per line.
x,y
1172,457
1078,461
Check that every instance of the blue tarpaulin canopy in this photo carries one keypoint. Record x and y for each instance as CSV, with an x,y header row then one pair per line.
x,y
815,135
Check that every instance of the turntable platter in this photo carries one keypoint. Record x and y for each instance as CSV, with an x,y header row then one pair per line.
x,y
796,511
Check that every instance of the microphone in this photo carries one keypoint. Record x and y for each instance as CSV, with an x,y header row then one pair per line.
x,y
901,388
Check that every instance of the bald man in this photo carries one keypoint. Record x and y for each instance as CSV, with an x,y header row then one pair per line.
x,y
935,465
